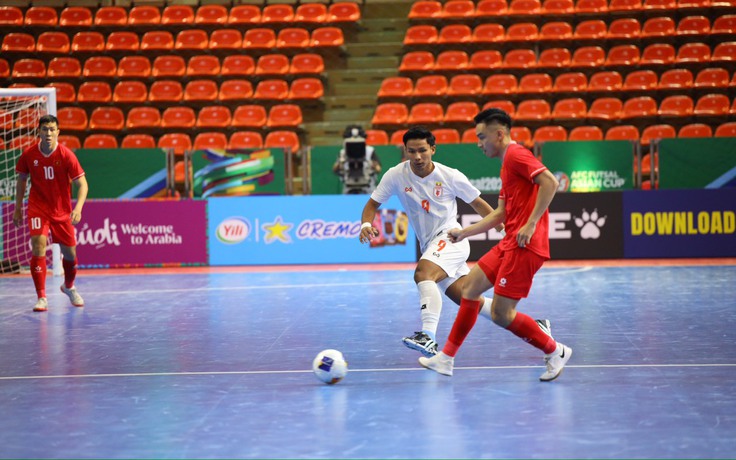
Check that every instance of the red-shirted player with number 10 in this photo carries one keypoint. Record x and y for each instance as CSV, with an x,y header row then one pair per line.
x,y
52,168
527,189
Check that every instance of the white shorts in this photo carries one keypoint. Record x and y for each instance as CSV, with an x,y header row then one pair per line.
x,y
450,257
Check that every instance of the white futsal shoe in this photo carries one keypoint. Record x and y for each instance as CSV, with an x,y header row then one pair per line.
x,y
555,362
74,296
440,363
41,304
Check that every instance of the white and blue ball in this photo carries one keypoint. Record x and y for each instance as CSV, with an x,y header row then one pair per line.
x,y
330,366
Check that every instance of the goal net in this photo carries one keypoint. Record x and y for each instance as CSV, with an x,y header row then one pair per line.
x,y
20,110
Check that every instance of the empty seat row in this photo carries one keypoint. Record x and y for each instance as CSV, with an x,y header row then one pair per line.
x,y
657,54
148,15
162,40
214,116
467,9
569,82
606,108
594,29
176,66
181,141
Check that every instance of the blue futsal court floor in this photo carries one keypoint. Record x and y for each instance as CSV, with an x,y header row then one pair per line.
x,y
215,363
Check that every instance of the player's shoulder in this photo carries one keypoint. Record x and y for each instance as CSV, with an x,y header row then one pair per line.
x,y
518,149
449,171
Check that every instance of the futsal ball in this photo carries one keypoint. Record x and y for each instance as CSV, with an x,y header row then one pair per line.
x,y
330,366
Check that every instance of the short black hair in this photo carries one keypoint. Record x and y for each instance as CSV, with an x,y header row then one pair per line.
x,y
45,119
493,114
419,132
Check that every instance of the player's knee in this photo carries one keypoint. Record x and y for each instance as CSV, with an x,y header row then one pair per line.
x,y
501,317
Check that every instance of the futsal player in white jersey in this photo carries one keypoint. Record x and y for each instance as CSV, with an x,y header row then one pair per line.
x,y
428,192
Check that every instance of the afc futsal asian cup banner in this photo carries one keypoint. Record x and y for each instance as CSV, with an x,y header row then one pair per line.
x,y
139,233
262,230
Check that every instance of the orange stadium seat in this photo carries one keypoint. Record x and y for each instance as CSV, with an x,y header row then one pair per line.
x,y
272,64
570,108
203,65
675,79
431,86
623,133
534,83
685,5
277,13
605,81
425,9
130,91
111,16
11,16
294,37
143,117
211,15
178,117
327,37
458,9
570,82
70,141
201,90
724,52
491,8
226,39
376,137
259,38
235,90
656,132
693,25
469,137
605,108
522,135
455,34
525,8
659,5
417,61
29,68
554,57
658,27
284,139
549,134
144,15
177,15
94,91
522,32
693,52
725,25
75,16
501,84
65,92
122,41
446,136
624,28
138,141
489,33
306,88
134,66
396,87
505,105
311,13
591,29
192,39
639,80
588,56
465,85
726,130
244,14
623,55
591,6
452,60
391,113
533,109
100,141
210,140
166,91
426,113
658,53
53,42
169,66
72,119
249,116
421,35
712,105
157,40
712,77
639,107
100,67
307,64
178,142
19,42
41,16
271,89
214,116
461,112
676,106
238,65
485,60
88,41
397,137
107,118
284,116
519,59
558,7
556,31
695,130
586,133
4,68
245,140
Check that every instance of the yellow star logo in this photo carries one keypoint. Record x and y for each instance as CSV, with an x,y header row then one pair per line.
x,y
277,230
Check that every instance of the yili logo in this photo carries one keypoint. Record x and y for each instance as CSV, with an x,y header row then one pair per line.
x,y
233,230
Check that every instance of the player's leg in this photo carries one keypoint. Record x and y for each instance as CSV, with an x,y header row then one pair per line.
x,y
64,235
39,229
426,276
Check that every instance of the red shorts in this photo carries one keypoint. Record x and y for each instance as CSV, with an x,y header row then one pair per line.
x,y
62,231
511,272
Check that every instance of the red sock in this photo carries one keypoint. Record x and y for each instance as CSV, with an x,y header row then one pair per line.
x,y
38,273
464,322
525,327
70,272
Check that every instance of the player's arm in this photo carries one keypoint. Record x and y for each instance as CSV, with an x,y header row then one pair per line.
x,y
494,219
368,232
547,187
20,191
82,190
482,207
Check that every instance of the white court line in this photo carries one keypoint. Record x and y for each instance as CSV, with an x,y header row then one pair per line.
x,y
408,281
186,374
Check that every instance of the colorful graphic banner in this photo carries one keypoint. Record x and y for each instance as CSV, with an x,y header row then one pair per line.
x,y
263,230
697,163
590,166
680,223
139,233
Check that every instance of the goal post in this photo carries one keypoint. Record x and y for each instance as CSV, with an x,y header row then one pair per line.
x,y
20,110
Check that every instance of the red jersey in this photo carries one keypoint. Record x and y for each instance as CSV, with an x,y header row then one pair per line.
x,y
51,180
518,190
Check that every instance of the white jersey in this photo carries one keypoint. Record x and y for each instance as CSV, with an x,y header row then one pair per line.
x,y
430,202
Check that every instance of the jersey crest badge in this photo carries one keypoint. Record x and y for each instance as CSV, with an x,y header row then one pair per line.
x,y
438,189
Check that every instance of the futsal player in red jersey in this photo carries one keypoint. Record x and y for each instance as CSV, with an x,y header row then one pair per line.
x,y
527,189
52,168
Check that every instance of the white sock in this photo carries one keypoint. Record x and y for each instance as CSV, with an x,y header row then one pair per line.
x,y
485,310
430,300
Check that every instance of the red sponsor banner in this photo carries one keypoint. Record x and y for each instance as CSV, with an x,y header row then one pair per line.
x,y
137,233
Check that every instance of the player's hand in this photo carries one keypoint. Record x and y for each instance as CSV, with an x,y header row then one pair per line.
x,y
18,217
499,228
525,234
455,235
75,217
367,234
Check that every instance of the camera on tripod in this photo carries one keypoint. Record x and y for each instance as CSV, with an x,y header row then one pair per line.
x,y
357,165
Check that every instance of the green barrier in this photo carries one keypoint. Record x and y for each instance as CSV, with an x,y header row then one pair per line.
x,y
112,173
697,163
590,166
482,172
